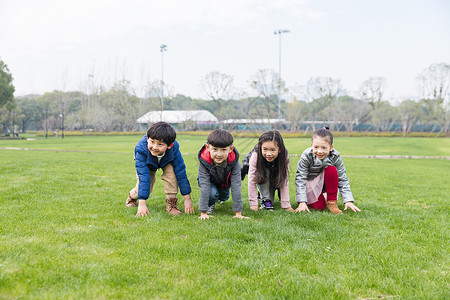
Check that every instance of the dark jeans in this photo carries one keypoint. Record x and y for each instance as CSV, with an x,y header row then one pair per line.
x,y
218,195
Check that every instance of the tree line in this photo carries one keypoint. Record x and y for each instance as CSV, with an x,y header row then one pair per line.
x,y
323,101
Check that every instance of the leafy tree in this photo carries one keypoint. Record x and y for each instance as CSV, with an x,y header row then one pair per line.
x,y
180,102
6,87
29,112
50,104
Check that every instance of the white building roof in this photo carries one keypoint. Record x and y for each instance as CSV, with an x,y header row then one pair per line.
x,y
177,116
252,121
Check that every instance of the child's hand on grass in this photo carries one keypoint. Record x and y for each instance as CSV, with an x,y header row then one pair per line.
x,y
254,207
290,209
351,206
188,207
204,216
302,207
142,209
240,216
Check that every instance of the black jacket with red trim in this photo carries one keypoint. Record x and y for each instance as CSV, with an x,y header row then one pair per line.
x,y
222,178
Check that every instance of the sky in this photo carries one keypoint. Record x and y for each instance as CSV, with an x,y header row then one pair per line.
x,y
74,44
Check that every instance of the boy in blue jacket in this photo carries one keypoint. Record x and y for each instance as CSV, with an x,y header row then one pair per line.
x,y
158,149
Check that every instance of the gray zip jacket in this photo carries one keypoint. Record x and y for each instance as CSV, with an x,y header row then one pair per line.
x,y
205,179
309,167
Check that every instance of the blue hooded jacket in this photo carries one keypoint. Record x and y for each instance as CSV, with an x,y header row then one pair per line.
x,y
146,162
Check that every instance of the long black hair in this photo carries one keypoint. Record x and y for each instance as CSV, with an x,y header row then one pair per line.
x,y
278,168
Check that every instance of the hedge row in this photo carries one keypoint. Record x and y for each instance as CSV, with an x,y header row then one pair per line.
x,y
249,134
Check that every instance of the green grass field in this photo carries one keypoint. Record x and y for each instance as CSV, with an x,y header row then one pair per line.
x,y
65,233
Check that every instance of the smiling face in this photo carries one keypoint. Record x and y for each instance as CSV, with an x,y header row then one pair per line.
x,y
219,154
270,150
321,147
157,147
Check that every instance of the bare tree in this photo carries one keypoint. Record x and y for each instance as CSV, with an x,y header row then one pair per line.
x,y
297,113
411,113
347,112
153,96
325,89
217,87
121,102
434,85
372,91
266,84
322,92
384,117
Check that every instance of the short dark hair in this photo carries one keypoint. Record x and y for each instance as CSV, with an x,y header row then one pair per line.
x,y
163,132
220,138
323,133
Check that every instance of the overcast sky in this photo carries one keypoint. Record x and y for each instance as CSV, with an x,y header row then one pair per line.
x,y
56,44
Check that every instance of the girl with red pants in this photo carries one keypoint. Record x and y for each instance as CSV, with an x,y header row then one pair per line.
x,y
321,170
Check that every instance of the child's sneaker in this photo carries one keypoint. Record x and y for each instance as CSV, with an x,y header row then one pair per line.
x,y
333,208
130,202
210,209
266,204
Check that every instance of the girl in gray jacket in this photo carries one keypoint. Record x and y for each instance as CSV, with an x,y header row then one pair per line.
x,y
321,170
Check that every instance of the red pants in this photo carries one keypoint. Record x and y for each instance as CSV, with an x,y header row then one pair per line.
x,y
330,186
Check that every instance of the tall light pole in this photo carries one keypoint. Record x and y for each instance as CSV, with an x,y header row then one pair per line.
x,y
162,48
85,106
13,113
62,119
279,32
46,118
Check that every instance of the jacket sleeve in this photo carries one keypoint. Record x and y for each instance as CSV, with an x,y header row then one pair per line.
x,y
300,178
252,193
284,190
179,167
344,182
236,187
246,162
143,173
204,184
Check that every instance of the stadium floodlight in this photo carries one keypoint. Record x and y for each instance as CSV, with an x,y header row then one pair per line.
x,y
279,32
162,48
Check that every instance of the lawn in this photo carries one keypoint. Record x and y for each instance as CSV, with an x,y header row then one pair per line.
x,y
65,233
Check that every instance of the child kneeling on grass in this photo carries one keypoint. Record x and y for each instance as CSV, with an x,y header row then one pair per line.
x,y
321,169
268,170
158,149
218,172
